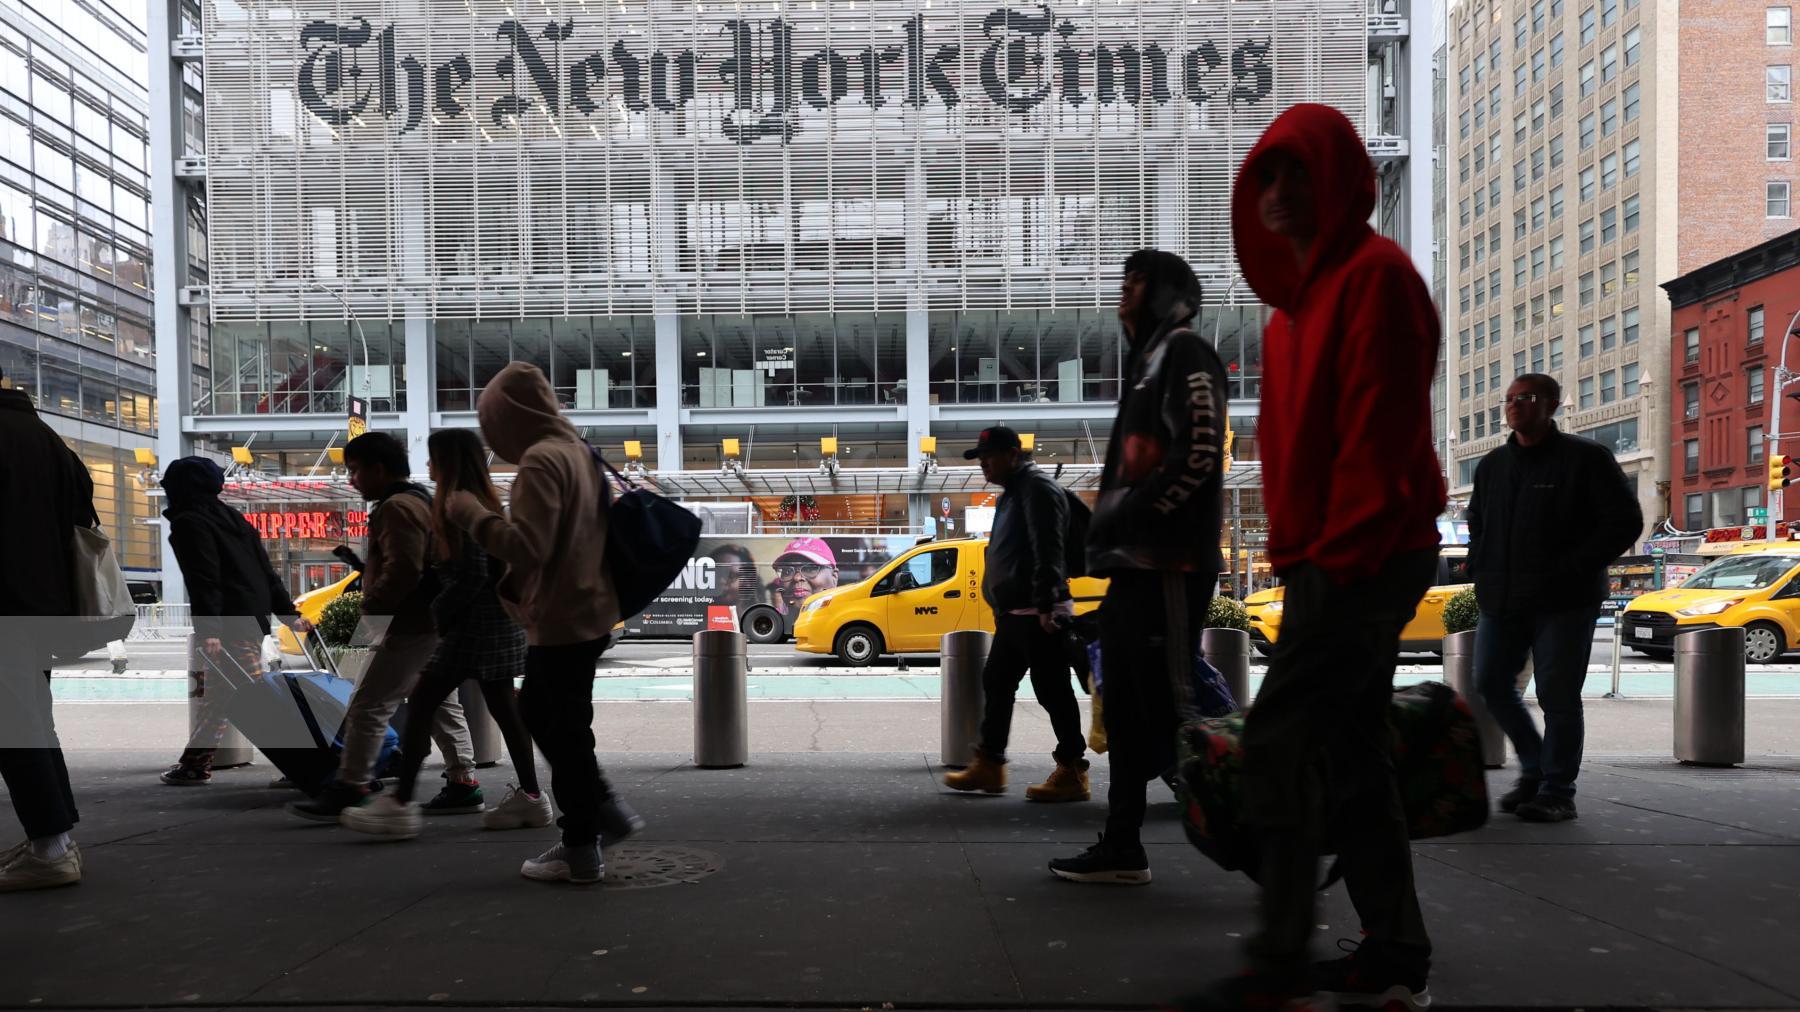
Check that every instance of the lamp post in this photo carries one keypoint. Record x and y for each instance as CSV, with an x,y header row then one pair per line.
x,y
1782,378
350,314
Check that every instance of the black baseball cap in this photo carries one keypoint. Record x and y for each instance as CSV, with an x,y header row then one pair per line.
x,y
993,440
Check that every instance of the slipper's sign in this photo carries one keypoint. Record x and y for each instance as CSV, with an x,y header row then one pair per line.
x,y
1020,60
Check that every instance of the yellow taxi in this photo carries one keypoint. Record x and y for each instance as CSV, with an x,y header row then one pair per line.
x,y
312,605
910,603
1754,589
1424,634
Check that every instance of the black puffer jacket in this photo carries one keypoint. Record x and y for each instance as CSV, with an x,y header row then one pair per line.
x,y
1544,523
45,493
232,586
1025,549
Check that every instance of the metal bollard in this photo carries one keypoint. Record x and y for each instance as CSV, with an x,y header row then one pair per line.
x,y
721,699
1459,674
484,732
1709,697
1229,651
959,711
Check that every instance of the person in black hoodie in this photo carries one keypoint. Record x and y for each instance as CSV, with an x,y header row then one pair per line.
x,y
1027,586
232,589
1548,514
1155,534
45,494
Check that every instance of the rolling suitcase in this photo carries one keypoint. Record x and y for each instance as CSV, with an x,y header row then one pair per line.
x,y
296,719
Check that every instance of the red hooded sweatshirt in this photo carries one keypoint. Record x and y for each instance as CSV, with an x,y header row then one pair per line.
x,y
1350,477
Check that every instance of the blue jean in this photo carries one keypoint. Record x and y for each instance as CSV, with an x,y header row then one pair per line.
x,y
1558,644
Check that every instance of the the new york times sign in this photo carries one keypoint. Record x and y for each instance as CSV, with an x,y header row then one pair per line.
x,y
1023,58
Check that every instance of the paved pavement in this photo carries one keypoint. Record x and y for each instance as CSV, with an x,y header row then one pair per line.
x,y
834,872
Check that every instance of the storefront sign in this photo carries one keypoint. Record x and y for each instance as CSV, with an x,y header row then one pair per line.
x,y
320,525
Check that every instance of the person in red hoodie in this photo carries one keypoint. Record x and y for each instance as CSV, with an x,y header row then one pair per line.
x,y
1353,490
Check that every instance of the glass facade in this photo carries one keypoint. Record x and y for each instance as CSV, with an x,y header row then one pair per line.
x,y
75,285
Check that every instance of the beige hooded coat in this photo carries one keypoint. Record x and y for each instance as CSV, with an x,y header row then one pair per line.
x,y
556,585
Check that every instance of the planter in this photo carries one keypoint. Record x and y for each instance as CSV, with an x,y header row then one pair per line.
x,y
1229,651
351,662
1459,674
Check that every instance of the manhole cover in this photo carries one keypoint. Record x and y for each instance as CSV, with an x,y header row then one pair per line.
x,y
629,867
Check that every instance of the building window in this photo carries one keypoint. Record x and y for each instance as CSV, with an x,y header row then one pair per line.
x,y
1609,225
1537,310
1631,214
1609,390
1480,424
1463,339
1753,381
1753,498
1556,203
1587,393
1519,81
1620,437
1586,131
1586,289
1519,27
1518,363
1556,300
1518,175
1480,382
1609,279
1556,354
1537,16
1609,333
1557,258
1778,193
1537,265
1690,346
1609,12
1587,238
1519,224
1628,380
1779,80
1609,63
1480,247
1519,318
1633,97
1537,165
1480,340
1556,50
1778,26
1694,511
1537,358
1462,125
1588,83
1634,152
1462,82
1519,271
1690,401
1609,117
1755,319
1609,171
1629,267
1690,456
1538,65
1631,319
1755,443
1556,152
1781,142
1587,26
1632,39
1585,342
1588,179
1537,214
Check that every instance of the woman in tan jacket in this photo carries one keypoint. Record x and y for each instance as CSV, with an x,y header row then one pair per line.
x,y
557,587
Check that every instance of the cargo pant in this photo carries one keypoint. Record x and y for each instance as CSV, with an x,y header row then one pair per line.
x,y
393,672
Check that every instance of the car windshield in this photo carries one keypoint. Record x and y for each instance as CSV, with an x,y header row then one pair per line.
x,y
1751,572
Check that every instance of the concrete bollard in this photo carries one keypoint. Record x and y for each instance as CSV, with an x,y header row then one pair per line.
x,y
959,710
1709,697
1459,674
1229,651
484,732
721,699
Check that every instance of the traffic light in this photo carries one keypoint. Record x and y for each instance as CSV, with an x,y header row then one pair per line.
x,y
1781,472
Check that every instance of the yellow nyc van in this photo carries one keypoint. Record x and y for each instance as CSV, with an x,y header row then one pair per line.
x,y
910,603
1424,634
1755,588
312,605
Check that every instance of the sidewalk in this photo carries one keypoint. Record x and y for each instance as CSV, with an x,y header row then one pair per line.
x,y
848,878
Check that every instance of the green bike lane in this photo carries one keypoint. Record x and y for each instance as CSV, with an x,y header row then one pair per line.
x,y
172,686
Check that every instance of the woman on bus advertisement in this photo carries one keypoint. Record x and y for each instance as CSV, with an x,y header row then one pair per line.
x,y
806,567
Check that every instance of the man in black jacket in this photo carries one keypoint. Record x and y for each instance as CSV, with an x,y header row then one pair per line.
x,y
1027,586
232,591
1155,534
1549,513
45,494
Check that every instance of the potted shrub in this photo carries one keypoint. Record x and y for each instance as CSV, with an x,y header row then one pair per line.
x,y
1227,613
337,628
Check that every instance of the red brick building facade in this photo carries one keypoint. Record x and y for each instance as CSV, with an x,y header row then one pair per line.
x,y
1728,323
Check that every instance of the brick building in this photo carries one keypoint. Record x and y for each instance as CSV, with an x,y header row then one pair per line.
x,y
1725,346
1737,169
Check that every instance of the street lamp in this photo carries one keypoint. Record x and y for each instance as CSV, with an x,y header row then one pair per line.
x,y
1782,378
350,313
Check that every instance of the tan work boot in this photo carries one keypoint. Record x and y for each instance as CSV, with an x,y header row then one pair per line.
x,y
1065,783
983,774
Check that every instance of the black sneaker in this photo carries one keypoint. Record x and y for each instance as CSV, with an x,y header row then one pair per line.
x,y
1523,790
1548,808
618,820
456,799
1114,863
186,776
1375,976
329,804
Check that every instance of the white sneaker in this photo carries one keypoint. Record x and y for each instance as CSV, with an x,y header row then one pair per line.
x,y
11,854
576,865
28,871
384,815
518,810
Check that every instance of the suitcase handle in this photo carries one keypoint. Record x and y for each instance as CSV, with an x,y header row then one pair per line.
x,y
329,665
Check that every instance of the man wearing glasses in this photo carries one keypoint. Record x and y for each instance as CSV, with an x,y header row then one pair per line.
x,y
1549,513
806,567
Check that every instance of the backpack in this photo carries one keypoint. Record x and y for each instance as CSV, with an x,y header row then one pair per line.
x,y
649,540
1075,537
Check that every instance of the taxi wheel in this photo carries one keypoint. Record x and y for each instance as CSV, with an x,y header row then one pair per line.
x,y
858,646
762,624
1763,642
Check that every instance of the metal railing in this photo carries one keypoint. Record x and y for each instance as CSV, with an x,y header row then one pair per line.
x,y
162,622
